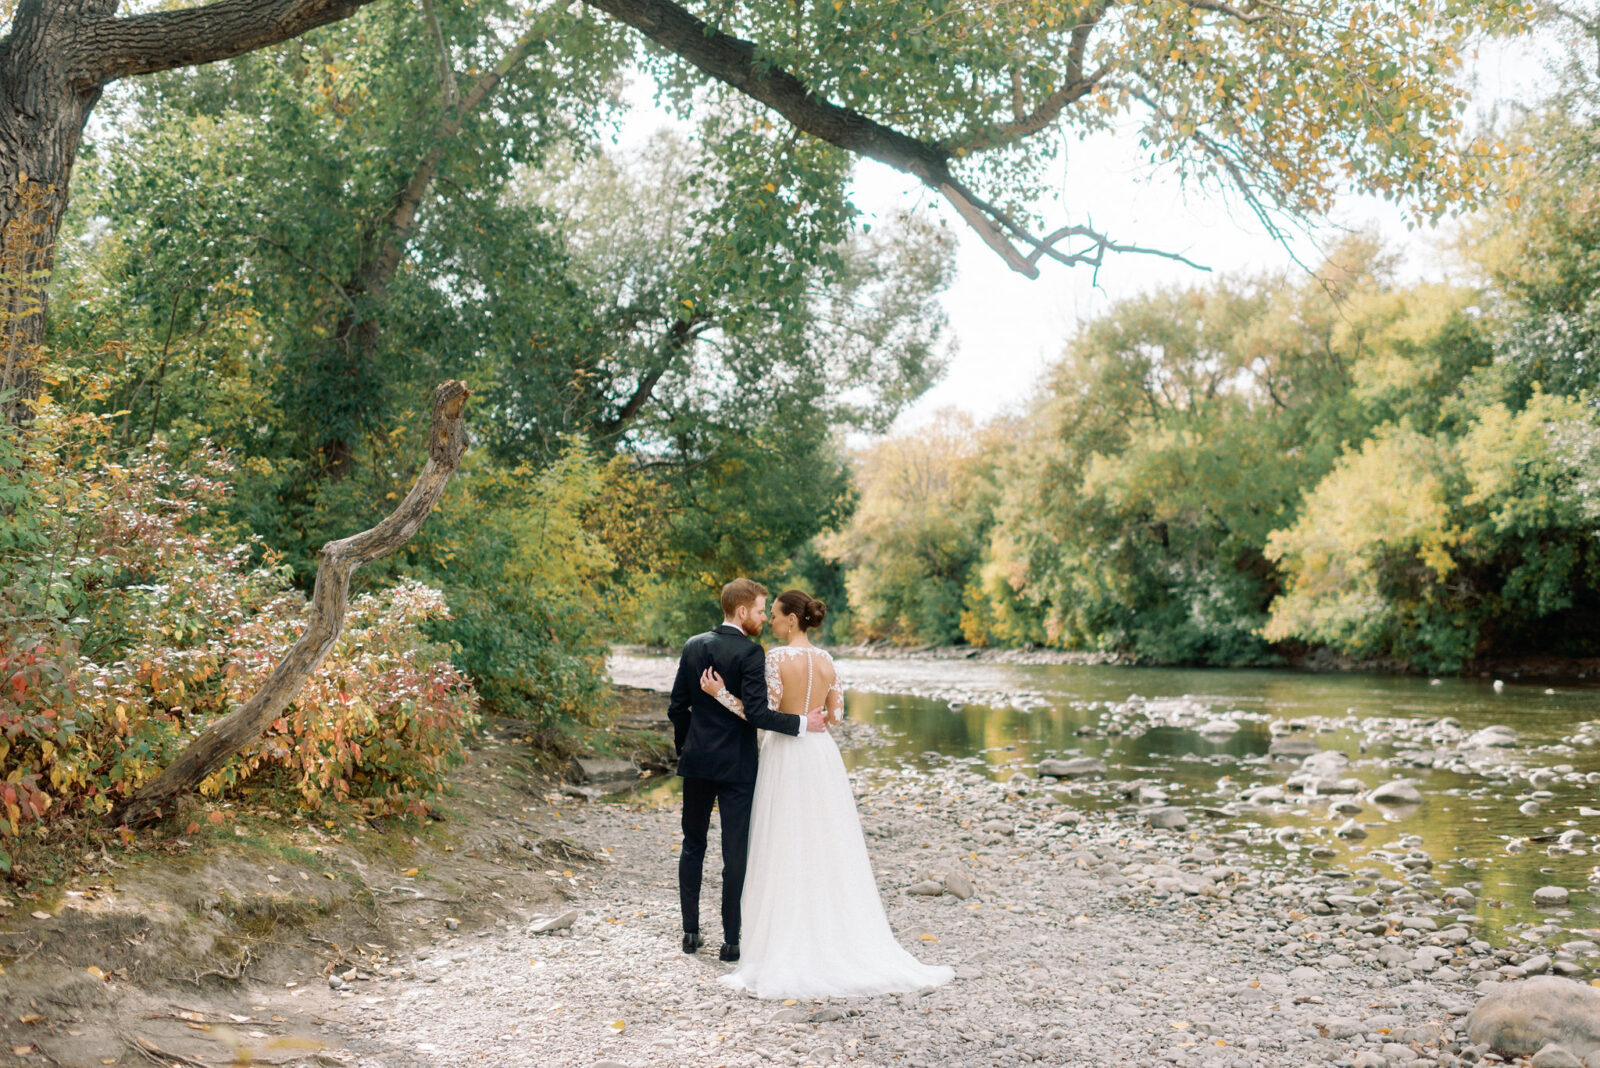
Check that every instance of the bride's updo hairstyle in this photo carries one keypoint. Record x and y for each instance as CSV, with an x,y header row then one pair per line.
x,y
804,607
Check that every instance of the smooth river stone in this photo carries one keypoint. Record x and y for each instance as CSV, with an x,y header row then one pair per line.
x,y
1550,896
1291,745
1168,817
1521,1018
1075,768
1397,792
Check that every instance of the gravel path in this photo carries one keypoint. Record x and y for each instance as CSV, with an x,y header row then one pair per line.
x,y
1089,940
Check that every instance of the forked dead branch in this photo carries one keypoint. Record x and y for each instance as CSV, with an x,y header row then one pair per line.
x,y
329,601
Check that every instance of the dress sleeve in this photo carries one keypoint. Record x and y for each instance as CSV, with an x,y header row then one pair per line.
x,y
837,689
731,703
774,682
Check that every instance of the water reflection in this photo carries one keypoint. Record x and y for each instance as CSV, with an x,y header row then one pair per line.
x,y
967,711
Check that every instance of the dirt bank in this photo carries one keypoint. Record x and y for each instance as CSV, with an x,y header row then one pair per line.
x,y
198,942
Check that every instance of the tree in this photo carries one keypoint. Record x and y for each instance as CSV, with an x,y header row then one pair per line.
x,y
339,559
1283,105
926,502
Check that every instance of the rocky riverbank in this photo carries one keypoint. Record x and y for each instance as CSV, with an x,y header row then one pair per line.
x,y
1091,921
1113,937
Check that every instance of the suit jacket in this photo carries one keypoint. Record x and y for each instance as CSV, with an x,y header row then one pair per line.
x,y
713,743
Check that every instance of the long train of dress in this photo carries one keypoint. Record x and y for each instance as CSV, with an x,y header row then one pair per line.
x,y
814,925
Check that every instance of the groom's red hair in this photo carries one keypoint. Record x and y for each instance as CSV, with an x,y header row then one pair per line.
x,y
738,594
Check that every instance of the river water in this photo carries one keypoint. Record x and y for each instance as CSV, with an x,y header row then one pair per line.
x,y
1490,821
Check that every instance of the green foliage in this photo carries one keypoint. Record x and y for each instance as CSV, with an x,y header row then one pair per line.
x,y
1228,474
1432,550
748,506
535,564
1541,256
700,310
917,532
129,620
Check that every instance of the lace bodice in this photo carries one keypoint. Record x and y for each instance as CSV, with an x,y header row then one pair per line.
x,y
775,676
774,679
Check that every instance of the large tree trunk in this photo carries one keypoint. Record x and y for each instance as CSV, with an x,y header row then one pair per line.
x,y
384,242
42,112
329,599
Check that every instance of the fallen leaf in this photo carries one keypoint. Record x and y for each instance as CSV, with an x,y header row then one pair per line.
x,y
929,938
21,1051
96,972
41,915
1181,1025
618,1026
790,1001
411,873
29,1018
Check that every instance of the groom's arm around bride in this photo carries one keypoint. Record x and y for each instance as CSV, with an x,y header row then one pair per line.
x,y
710,741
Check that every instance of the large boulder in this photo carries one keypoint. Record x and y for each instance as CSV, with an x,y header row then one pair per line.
x,y
1293,745
602,770
1075,768
1167,818
1521,1018
1395,792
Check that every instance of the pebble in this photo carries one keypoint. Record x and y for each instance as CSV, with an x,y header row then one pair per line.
x,y
555,923
1398,792
1555,1056
1075,768
1099,938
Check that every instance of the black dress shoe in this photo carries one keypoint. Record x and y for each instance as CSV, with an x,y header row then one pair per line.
x,y
729,951
692,940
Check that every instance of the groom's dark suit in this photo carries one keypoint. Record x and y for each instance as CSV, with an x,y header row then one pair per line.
x,y
717,758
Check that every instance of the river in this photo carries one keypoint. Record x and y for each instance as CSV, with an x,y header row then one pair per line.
x,y
1491,818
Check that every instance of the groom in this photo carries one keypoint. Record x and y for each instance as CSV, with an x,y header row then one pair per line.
x,y
717,752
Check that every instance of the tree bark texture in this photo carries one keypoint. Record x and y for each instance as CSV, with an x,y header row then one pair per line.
x,y
383,243
54,63
329,600
59,55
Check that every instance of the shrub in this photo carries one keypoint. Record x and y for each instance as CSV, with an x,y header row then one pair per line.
x,y
129,622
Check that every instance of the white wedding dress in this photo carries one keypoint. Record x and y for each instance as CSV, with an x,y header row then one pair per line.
x,y
814,926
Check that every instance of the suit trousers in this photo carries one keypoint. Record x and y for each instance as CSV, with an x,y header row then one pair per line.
x,y
733,801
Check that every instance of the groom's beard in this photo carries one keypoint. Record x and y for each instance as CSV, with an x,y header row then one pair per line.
x,y
752,629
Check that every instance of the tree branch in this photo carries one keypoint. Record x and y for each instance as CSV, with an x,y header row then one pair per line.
x,y
403,214
679,336
110,48
732,61
329,600
447,70
1074,87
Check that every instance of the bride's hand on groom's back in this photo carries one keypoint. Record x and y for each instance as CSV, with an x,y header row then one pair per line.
x,y
711,682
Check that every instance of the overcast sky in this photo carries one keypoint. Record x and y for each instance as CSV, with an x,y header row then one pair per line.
x,y
1005,328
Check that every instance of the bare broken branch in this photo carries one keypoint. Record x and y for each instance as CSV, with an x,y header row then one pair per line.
x,y
329,600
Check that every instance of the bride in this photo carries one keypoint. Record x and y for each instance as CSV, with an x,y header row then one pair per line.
x,y
807,856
